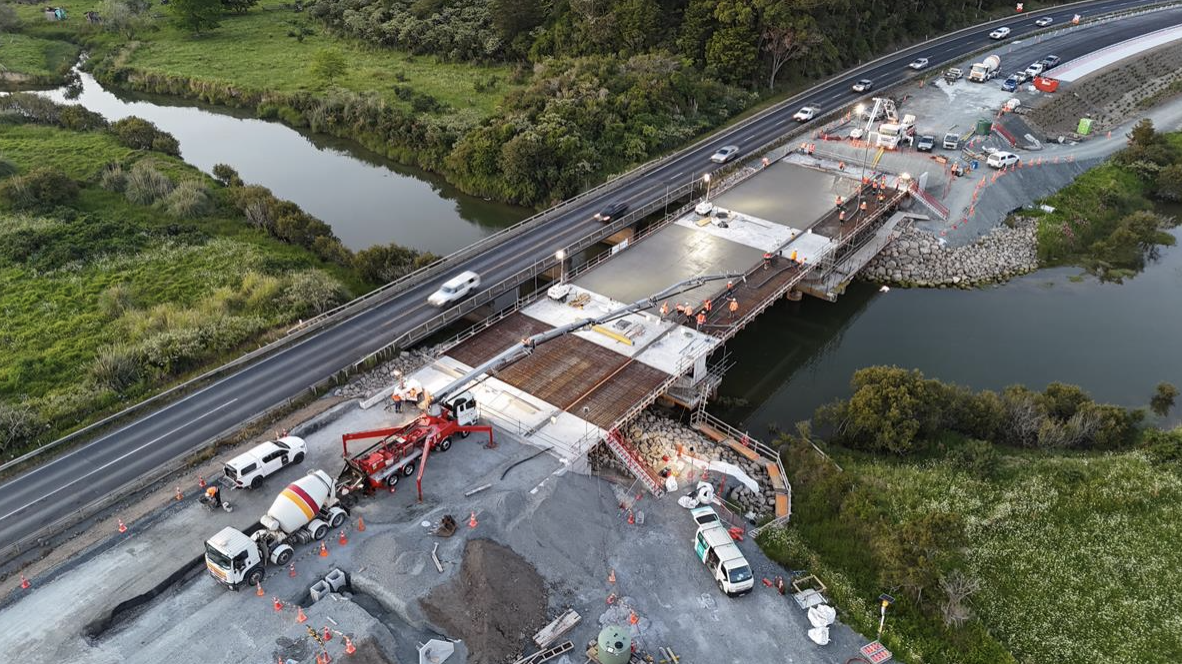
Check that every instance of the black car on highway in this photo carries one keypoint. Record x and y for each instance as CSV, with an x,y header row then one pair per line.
x,y
611,211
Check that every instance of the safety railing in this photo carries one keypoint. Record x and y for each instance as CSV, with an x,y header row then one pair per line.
x,y
700,417
615,442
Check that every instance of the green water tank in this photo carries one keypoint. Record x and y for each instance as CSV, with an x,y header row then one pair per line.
x,y
615,645
984,126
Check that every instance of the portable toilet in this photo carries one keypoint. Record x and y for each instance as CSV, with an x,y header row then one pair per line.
x,y
615,645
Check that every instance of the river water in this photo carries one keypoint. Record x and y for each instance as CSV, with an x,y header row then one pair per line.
x,y
1115,340
366,198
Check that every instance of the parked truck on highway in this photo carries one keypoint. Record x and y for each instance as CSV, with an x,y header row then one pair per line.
x,y
985,69
303,512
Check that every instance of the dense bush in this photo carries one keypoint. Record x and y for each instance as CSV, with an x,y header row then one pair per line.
x,y
42,188
139,134
39,110
286,221
113,178
897,411
19,426
382,264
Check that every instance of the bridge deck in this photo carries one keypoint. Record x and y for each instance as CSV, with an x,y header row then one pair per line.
x,y
569,372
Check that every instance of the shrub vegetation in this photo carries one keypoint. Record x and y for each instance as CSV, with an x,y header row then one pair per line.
x,y
1000,549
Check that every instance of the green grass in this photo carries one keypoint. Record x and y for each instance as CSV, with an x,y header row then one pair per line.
x,y
1078,555
40,59
254,52
193,292
1085,211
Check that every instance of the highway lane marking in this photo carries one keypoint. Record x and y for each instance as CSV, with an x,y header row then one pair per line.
x,y
118,459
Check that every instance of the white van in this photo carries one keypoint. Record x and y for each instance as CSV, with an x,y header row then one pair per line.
x,y
456,288
1002,159
726,563
249,469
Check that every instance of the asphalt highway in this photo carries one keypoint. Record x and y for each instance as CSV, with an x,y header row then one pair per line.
x,y
49,492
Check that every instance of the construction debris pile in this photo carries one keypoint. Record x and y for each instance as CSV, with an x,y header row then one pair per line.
x,y
495,604
656,440
918,258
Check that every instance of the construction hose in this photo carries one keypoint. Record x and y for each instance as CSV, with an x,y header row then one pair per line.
x,y
518,463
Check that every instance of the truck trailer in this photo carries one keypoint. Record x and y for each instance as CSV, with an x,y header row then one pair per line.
x,y
303,512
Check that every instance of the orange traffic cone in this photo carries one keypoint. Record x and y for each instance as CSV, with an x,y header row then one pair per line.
x,y
278,605
201,481
179,495
327,633
631,518
611,599
349,647
323,550
291,570
122,526
24,583
300,616
259,589
341,539
360,525
633,618
472,520
611,576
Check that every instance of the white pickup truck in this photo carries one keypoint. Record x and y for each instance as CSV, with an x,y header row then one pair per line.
x,y
249,469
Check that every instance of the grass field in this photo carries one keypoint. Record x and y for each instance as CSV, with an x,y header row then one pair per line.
x,y
254,52
107,301
1077,555
35,57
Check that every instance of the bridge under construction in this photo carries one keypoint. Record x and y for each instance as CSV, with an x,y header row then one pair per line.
x,y
783,231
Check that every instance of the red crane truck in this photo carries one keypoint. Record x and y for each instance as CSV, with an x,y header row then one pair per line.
x,y
400,449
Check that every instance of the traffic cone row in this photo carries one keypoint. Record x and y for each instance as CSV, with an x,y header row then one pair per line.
x,y
611,576
291,570
327,633
278,605
301,617
179,495
122,526
349,647
472,520
360,525
323,550
259,589
24,583
341,539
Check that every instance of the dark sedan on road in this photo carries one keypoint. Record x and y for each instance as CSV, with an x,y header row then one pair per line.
x,y
611,211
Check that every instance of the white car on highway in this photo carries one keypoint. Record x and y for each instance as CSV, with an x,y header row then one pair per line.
x,y
456,288
724,154
1000,33
807,113
919,63
1035,69
249,469
1044,21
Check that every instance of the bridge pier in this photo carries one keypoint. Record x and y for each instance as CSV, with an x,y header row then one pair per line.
x,y
793,295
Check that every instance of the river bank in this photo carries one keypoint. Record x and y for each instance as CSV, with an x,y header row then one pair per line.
x,y
918,258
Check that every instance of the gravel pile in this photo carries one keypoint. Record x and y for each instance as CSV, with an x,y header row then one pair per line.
x,y
495,604
656,438
918,258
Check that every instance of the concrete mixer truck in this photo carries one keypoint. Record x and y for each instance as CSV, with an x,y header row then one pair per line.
x,y
985,69
305,511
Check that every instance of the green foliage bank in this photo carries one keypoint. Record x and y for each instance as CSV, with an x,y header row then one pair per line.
x,y
1047,546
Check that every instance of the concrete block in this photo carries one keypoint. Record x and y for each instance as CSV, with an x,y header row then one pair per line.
x,y
336,579
320,590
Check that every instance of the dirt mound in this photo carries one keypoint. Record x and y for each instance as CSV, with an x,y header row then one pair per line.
x,y
495,604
